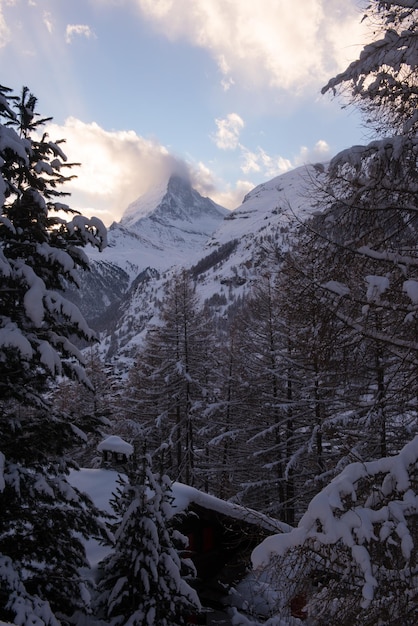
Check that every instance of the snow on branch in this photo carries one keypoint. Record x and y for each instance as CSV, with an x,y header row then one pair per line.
x,y
394,50
368,511
340,289
25,608
91,230
410,287
374,159
12,337
34,296
57,150
5,269
57,304
376,286
49,357
10,140
6,222
385,338
56,255
386,255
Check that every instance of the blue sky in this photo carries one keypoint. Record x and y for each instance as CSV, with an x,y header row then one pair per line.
x,y
225,90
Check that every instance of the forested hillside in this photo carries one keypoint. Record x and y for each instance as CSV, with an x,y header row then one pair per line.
x,y
291,390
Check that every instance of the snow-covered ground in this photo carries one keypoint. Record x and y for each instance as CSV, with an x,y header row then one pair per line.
x,y
99,484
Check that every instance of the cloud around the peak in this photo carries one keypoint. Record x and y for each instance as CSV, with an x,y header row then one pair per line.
x,y
119,166
271,43
116,166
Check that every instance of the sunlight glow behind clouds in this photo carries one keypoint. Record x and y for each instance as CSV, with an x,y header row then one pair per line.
x,y
123,165
271,43
115,164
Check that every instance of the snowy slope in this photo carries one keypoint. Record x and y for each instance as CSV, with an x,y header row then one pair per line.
x,y
262,226
280,201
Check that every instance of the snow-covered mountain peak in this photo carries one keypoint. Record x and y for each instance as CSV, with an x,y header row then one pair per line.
x,y
174,202
168,225
144,205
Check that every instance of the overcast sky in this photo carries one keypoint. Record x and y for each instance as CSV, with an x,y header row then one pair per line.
x,y
226,90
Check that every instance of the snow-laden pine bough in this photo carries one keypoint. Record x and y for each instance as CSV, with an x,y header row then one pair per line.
x,y
353,556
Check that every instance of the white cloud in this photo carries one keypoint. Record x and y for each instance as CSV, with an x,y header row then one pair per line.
x,y
229,128
277,43
48,21
232,197
258,161
119,166
116,166
229,196
268,166
320,152
5,34
78,30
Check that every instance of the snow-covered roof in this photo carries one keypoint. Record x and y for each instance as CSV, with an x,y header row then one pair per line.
x,y
113,443
185,496
101,485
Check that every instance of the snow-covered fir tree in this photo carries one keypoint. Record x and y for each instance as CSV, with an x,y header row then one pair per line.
x,y
353,557
168,386
370,222
42,517
144,579
382,81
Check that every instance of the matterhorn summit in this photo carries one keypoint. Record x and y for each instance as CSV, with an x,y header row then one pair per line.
x,y
176,206
168,225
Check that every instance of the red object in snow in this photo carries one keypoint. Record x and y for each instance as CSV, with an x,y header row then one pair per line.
x,y
297,607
